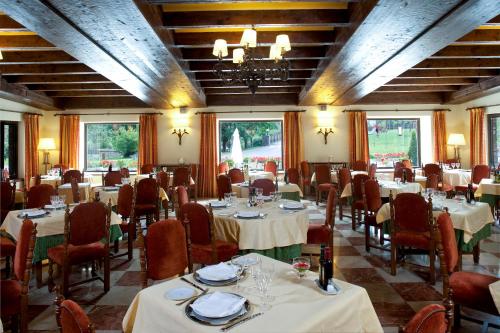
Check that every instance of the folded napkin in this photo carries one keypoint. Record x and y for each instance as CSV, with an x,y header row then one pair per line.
x,y
218,305
33,213
219,272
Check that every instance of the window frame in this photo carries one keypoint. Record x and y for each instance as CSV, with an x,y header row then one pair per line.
x,y
85,125
220,121
491,146
419,146
14,143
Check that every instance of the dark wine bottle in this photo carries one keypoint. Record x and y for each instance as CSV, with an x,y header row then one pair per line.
x,y
404,176
328,268
286,177
321,265
469,194
276,184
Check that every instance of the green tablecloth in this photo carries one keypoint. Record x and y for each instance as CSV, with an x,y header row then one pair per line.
x,y
291,195
285,253
491,199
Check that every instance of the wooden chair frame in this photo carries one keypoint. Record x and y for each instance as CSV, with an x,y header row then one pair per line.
x,y
58,303
378,228
149,220
186,184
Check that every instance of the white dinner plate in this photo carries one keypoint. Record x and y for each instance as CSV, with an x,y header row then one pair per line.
x,y
293,205
33,213
248,214
218,204
178,294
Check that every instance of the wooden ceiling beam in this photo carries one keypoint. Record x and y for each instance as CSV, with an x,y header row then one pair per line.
x,y
89,93
258,99
298,53
260,90
208,66
473,51
449,73
430,82
60,69
482,88
480,37
74,87
277,83
9,25
487,63
402,98
398,89
100,102
210,76
58,79
255,19
39,57
24,43
167,2
21,94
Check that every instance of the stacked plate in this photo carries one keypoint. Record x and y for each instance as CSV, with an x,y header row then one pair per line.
x,y
265,198
292,205
218,204
110,188
218,308
32,214
247,214
216,275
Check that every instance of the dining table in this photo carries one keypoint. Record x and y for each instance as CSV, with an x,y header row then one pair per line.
x,y
292,191
495,293
107,193
56,180
83,188
139,177
277,232
456,177
334,176
488,191
298,305
386,187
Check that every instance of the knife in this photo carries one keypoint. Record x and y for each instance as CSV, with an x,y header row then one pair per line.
x,y
193,284
241,321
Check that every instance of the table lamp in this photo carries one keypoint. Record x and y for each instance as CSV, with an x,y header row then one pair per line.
x,y
456,140
46,144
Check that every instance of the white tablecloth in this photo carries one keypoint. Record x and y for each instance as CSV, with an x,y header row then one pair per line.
x,y
242,191
278,228
105,196
133,178
456,177
298,307
56,180
487,186
389,176
83,188
469,218
495,293
53,224
386,187
333,175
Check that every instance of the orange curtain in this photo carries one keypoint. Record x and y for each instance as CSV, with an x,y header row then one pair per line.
x,y
31,136
148,140
358,132
69,137
440,148
207,186
477,145
294,140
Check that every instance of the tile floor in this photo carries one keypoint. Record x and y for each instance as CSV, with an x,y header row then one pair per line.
x,y
395,298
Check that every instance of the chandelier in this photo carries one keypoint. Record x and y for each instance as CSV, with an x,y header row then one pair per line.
x,y
249,69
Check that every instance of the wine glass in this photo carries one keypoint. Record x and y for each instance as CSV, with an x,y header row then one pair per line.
x,y
227,199
264,278
62,199
234,198
240,267
301,265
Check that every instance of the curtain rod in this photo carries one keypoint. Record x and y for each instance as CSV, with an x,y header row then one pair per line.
x,y
269,111
484,106
104,114
397,110
14,111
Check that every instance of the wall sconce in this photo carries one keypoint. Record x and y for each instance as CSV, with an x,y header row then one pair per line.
x,y
325,132
180,133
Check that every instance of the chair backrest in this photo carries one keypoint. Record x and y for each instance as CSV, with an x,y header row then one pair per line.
x,y
330,208
236,176
410,212
398,173
70,174
343,178
125,172
181,176
7,194
432,169
163,179
24,251
75,190
199,222
71,318
39,195
125,201
87,223
357,184
372,170
293,175
398,165
371,196
147,191
406,163
223,185
451,160
64,167
267,185
182,195
480,172
223,167
270,166
448,241
359,166
322,172
430,319
166,251
193,168
111,178
38,180
147,168
305,170
432,181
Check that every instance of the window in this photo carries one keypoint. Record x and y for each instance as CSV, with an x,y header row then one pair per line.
x,y
391,140
113,144
257,142
8,132
494,139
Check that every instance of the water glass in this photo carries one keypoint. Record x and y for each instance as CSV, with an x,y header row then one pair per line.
x,y
227,199
397,180
53,200
265,277
259,192
62,199
236,262
273,196
234,198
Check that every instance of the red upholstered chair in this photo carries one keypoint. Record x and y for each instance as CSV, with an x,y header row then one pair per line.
x,y
372,202
14,292
71,318
8,196
7,251
434,169
293,176
398,165
147,168
181,177
372,170
75,190
452,160
406,163
125,172
111,178
267,185
270,166
223,167
124,209
323,180
359,166
193,188
70,174
62,167
357,204
236,176
479,172
182,198
432,182
411,226
323,233
343,178
145,201
398,173
469,289
223,185
205,248
163,179
86,239
38,180
164,252
433,318
305,174
38,196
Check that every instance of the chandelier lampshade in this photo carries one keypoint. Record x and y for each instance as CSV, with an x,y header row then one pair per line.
x,y
220,48
238,55
283,42
275,53
249,38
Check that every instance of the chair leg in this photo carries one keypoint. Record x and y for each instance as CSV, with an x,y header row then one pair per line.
x,y
475,253
341,210
116,246
393,258
353,218
367,237
38,274
65,280
15,323
130,240
7,267
317,197
106,274
381,230
50,282
432,259
456,315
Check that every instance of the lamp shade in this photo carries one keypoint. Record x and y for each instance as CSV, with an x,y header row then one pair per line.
x,y
456,139
46,144
1,56
238,55
275,53
220,48
283,42
249,38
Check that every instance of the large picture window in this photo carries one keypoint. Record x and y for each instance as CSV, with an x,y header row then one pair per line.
x,y
113,144
251,142
392,140
494,139
8,133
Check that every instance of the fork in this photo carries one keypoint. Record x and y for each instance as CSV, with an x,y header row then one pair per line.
x,y
192,298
